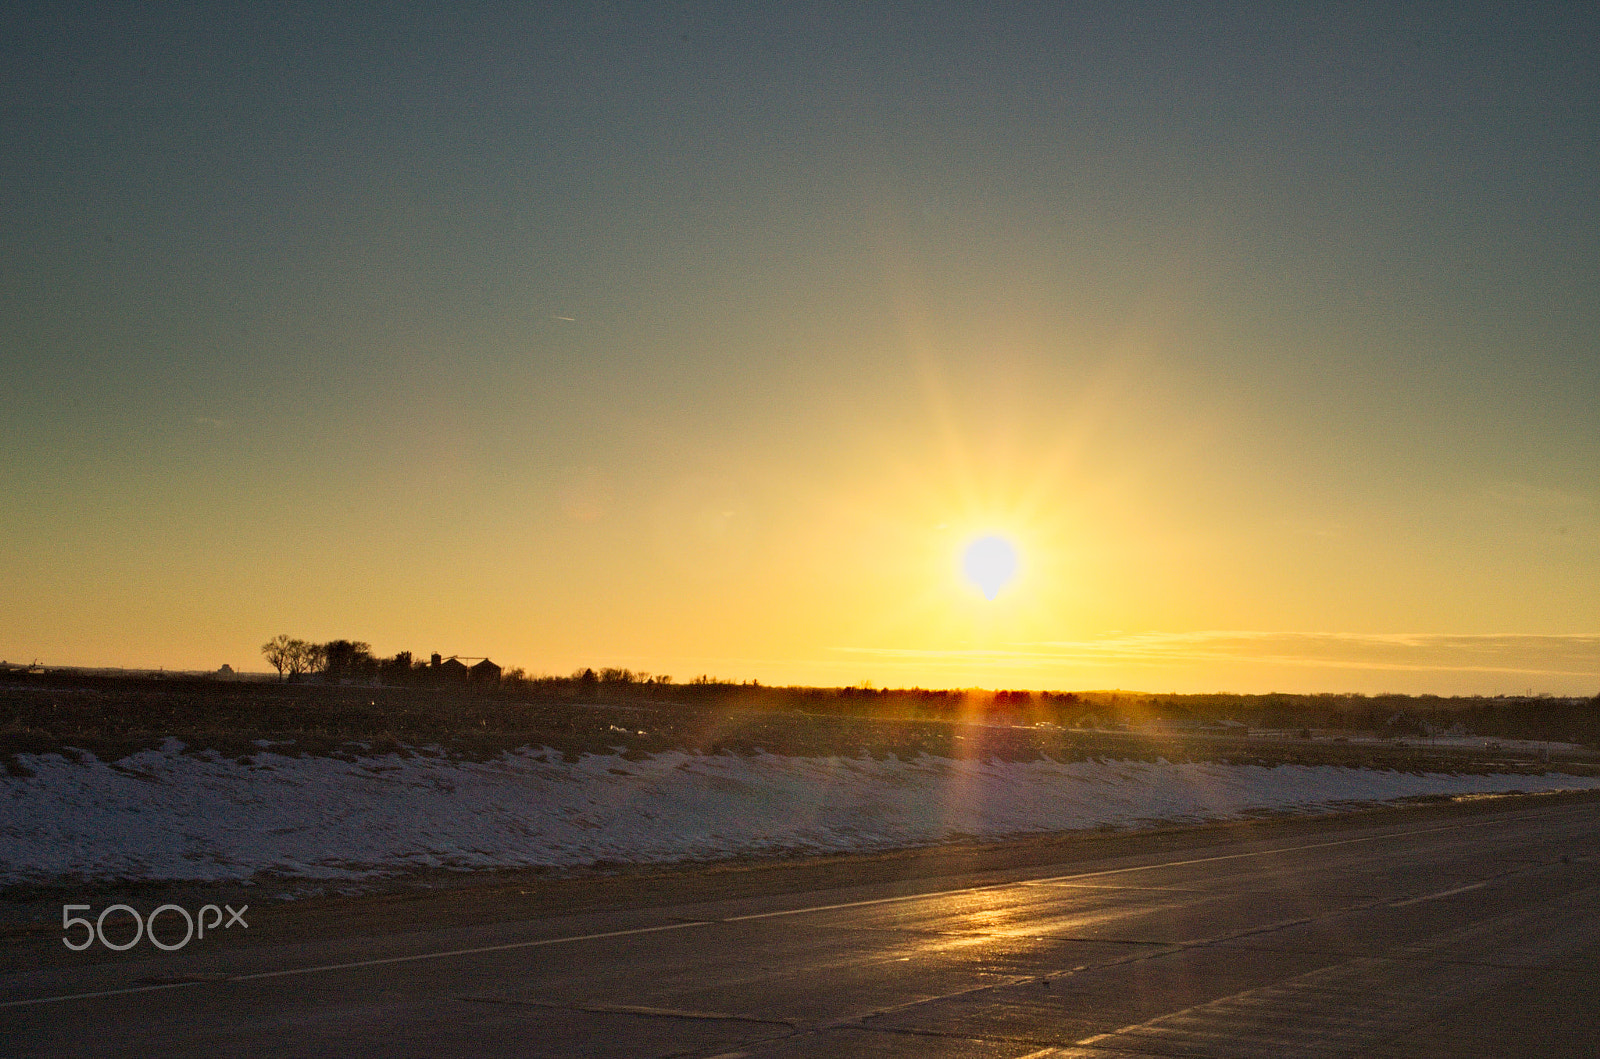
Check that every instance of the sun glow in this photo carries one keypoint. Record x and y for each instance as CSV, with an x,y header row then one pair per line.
x,y
990,562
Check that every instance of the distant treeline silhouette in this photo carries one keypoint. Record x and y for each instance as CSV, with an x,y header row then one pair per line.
x,y
352,661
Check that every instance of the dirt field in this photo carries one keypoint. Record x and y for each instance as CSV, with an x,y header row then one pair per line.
x,y
112,717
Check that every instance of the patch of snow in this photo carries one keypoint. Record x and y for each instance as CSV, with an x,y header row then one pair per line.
x,y
164,814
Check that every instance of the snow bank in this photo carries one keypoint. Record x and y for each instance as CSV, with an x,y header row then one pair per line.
x,y
165,814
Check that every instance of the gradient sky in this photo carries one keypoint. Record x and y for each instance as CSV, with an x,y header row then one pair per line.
x,y
701,337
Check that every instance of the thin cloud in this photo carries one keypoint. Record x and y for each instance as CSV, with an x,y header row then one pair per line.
x,y
1574,655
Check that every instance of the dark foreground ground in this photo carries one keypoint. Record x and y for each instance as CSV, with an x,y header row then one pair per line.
x,y
1464,929
113,717
74,715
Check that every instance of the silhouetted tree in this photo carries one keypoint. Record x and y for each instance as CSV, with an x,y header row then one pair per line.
x,y
343,659
310,657
291,657
280,651
396,670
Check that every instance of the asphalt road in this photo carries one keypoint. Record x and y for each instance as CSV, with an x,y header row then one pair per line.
x,y
1463,932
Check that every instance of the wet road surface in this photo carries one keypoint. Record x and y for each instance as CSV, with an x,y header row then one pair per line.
x,y
1382,935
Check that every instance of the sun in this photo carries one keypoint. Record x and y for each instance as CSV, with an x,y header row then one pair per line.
x,y
990,562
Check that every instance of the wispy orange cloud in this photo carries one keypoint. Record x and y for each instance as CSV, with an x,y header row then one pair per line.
x,y
1574,655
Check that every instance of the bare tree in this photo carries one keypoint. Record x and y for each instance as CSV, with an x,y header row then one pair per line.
x,y
282,653
309,658
291,657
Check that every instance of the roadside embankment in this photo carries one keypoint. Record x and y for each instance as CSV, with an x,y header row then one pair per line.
x,y
174,814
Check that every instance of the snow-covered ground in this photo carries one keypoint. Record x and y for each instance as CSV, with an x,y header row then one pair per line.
x,y
169,815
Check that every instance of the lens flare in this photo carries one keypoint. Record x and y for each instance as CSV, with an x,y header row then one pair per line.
x,y
990,563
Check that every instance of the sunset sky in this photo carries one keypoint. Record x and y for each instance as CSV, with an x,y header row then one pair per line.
x,y
703,338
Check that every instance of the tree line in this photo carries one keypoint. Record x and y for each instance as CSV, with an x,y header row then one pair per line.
x,y
352,660
339,660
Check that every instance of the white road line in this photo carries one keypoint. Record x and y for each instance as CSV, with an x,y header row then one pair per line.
x,y
1086,875
91,996
1435,897
317,969
470,952
538,943
1256,853
861,904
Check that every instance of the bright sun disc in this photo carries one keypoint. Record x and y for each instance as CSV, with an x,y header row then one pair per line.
x,y
990,562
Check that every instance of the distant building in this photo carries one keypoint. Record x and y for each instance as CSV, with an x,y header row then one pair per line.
x,y
449,670
453,670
